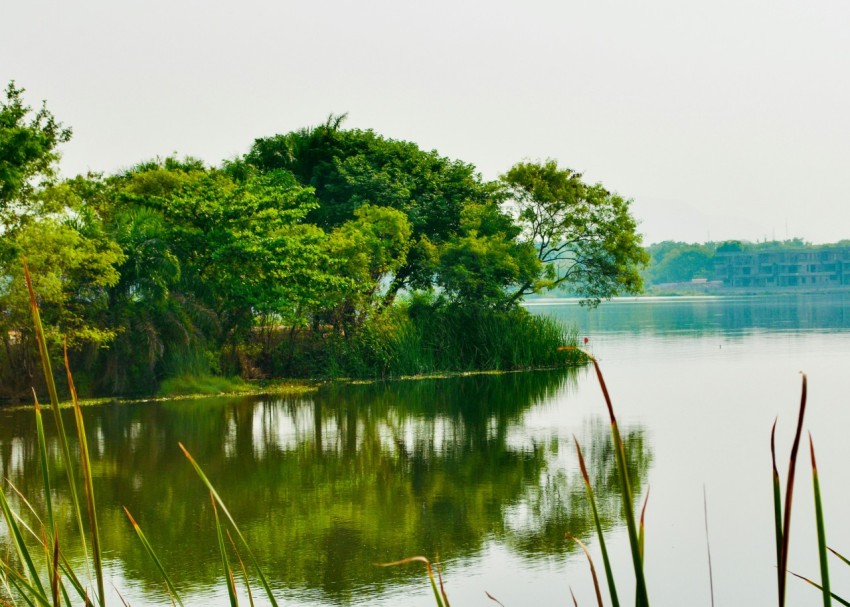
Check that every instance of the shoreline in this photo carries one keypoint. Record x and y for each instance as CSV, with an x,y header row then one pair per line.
x,y
281,387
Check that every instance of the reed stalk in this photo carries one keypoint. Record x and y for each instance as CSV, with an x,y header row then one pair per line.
x,y
225,562
609,573
789,495
642,596
824,565
438,596
47,369
217,498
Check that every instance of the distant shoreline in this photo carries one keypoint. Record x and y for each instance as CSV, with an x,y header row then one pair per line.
x,y
657,292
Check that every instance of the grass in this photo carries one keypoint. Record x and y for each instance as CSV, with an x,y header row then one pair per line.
x,y
423,340
422,337
185,385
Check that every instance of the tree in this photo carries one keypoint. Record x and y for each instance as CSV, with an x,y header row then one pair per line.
x,y
27,148
72,271
584,235
367,250
479,266
240,240
352,168
679,262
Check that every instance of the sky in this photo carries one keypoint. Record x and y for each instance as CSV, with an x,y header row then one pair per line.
x,y
721,120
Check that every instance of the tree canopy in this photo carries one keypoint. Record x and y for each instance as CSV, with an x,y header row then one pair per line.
x,y
584,234
351,168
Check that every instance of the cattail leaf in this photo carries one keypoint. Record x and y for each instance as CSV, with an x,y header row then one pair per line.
x,y
592,569
226,512
824,565
609,572
419,559
641,594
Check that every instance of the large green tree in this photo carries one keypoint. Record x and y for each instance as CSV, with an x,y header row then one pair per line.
x,y
239,239
352,168
585,236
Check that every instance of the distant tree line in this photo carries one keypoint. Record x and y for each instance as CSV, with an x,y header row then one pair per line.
x,y
672,261
319,252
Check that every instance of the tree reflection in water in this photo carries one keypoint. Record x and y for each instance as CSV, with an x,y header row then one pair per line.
x,y
326,485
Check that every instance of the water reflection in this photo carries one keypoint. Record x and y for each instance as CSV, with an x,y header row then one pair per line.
x,y
326,486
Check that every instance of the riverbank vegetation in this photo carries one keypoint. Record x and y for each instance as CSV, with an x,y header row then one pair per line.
x,y
323,252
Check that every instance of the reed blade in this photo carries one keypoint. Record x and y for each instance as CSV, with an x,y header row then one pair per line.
x,y
789,496
69,574
225,562
592,569
120,596
47,369
838,554
642,518
226,512
837,598
25,589
708,545
642,596
824,565
609,573
149,549
419,559
88,486
21,547
492,598
17,588
45,472
777,508
440,581
573,594
242,566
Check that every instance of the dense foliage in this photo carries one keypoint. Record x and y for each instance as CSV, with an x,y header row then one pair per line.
x,y
324,251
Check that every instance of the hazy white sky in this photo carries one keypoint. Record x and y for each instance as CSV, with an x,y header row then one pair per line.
x,y
721,119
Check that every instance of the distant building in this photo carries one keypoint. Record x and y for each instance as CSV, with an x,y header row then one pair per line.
x,y
803,268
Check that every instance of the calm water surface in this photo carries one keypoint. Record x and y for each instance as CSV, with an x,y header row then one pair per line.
x,y
481,470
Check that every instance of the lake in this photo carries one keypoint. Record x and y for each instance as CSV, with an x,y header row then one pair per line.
x,y
481,470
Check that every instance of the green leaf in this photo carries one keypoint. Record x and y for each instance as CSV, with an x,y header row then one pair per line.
x,y
149,549
224,509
